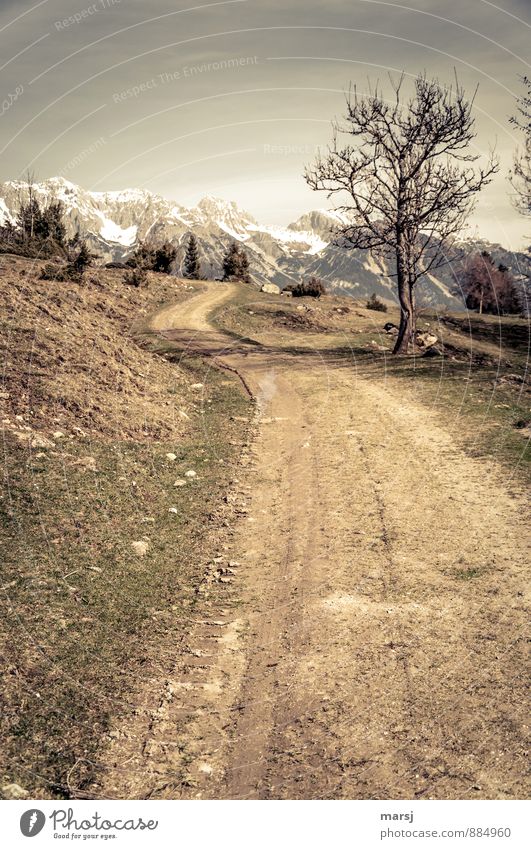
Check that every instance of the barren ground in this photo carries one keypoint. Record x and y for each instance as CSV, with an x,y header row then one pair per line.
x,y
364,636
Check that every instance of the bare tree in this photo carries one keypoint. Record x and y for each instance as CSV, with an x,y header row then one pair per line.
x,y
487,287
520,176
409,179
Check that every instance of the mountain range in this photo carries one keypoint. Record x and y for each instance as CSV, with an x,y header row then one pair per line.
x,y
115,222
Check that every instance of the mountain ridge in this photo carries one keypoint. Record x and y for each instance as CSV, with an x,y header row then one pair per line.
x,y
114,222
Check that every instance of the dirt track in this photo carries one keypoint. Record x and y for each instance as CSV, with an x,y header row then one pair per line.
x,y
349,657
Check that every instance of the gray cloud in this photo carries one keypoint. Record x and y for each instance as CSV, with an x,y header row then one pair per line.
x,y
235,98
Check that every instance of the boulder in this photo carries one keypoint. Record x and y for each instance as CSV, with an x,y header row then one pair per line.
x,y
425,340
270,289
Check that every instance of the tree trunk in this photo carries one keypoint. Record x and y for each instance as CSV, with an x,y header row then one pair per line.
x,y
407,310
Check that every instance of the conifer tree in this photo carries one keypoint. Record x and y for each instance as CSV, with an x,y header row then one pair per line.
x,y
236,264
192,265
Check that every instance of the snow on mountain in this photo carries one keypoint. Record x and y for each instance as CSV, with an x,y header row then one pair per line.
x,y
113,222
112,232
304,240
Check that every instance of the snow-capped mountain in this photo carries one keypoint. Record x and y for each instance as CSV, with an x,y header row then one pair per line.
x,y
114,222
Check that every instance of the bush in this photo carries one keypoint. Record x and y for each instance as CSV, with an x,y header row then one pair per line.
x,y
136,277
374,303
74,270
52,272
313,288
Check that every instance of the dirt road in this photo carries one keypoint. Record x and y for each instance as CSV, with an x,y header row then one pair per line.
x,y
368,640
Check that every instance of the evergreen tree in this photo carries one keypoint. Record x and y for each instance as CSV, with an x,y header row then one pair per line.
x,y
191,265
164,258
231,262
236,264
244,266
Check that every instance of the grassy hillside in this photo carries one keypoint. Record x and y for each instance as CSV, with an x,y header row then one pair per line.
x,y
101,553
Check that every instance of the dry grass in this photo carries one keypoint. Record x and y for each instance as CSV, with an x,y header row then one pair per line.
x,y
479,387
62,366
85,616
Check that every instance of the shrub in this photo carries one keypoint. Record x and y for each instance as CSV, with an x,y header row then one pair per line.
x,y
136,277
81,258
74,270
374,303
52,272
313,288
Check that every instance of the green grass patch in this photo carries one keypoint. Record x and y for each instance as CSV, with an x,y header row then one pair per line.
x,y
87,618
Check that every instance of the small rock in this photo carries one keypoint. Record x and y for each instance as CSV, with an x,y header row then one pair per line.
x,y
14,791
58,434
206,769
41,442
88,463
180,482
196,385
426,340
173,510
140,547
171,457
190,473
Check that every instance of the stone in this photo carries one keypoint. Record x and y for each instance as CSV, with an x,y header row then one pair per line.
x,y
14,791
190,473
140,547
88,463
426,340
39,441
270,289
171,457
180,482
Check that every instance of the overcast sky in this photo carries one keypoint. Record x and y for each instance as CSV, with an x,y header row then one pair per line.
x,y
233,98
